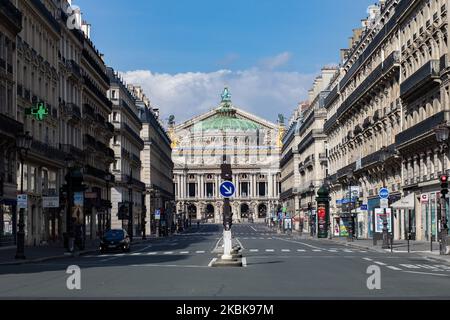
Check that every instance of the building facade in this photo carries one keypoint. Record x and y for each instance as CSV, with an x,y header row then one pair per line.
x,y
250,144
59,87
127,145
157,168
10,128
304,158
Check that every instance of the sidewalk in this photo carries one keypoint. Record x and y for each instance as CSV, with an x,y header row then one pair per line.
x,y
421,248
52,251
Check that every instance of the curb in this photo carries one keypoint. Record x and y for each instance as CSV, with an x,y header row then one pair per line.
x,y
58,257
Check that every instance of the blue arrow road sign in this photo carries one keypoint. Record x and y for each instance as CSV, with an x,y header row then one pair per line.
x,y
227,189
384,193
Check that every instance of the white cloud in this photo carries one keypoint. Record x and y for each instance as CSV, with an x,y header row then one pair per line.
x,y
277,61
265,93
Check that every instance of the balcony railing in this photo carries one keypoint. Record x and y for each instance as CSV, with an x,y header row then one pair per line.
x,y
72,150
74,68
9,125
47,151
89,141
73,110
331,97
418,81
136,137
330,123
309,161
88,111
9,11
420,129
94,172
99,94
289,155
392,60
44,11
377,156
96,66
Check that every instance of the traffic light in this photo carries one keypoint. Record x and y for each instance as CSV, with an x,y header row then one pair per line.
x,y
227,174
123,211
227,215
444,185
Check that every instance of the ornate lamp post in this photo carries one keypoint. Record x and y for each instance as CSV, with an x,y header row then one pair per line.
x,y
24,142
350,178
384,156
70,164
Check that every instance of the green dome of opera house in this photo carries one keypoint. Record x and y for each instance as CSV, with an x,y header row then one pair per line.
x,y
226,119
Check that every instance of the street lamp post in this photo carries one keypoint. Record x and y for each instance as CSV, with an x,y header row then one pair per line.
x,y
107,221
384,156
70,164
130,211
23,146
311,218
350,178
442,136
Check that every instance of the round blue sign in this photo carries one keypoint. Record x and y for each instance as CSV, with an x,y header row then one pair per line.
x,y
384,193
227,189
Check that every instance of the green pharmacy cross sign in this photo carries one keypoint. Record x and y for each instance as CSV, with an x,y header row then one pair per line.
x,y
40,112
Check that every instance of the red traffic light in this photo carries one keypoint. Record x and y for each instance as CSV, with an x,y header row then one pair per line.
x,y
444,178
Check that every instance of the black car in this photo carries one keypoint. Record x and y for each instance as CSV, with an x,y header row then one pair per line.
x,y
116,239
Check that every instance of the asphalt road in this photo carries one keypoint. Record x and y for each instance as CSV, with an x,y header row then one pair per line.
x,y
277,266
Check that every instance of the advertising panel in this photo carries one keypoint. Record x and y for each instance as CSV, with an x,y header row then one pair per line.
x,y
379,214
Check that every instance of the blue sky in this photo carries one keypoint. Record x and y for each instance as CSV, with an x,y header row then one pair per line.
x,y
201,45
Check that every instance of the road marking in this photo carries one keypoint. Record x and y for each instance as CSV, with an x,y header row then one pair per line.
x,y
298,242
254,229
428,273
285,250
270,250
244,262
199,251
317,250
332,250
184,252
167,265
394,268
212,262
261,238
254,250
367,259
409,266
168,252
347,250
269,238
240,244
301,250
362,251
151,253
136,254
380,263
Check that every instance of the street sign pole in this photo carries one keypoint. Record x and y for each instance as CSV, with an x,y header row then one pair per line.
x,y
227,190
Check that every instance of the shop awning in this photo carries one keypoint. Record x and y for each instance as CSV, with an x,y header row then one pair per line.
x,y
405,203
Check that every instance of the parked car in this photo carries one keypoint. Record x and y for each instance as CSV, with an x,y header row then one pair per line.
x,y
115,239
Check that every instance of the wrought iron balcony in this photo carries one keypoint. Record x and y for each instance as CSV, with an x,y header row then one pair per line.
x,y
136,137
393,60
96,66
89,141
421,129
47,15
47,151
136,159
74,68
99,94
331,97
10,126
378,156
110,127
94,172
421,80
9,12
88,111
125,153
74,151
330,123
73,111
309,161
289,155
